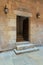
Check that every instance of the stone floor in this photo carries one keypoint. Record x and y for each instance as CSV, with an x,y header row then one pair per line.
x,y
33,58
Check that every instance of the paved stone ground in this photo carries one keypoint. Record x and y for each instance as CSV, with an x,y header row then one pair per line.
x,y
33,58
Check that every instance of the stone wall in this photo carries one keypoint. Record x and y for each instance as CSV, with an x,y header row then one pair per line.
x,y
8,21
7,26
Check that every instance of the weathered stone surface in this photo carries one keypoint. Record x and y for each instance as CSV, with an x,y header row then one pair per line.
x,y
24,46
35,25
26,50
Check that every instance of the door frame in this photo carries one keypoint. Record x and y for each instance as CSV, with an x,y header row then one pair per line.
x,y
21,13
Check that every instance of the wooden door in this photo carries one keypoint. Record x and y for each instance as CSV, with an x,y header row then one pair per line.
x,y
25,29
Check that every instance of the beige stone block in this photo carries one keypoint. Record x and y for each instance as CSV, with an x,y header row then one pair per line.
x,y
12,22
21,13
12,35
9,28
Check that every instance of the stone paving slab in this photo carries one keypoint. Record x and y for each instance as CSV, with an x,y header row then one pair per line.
x,y
33,58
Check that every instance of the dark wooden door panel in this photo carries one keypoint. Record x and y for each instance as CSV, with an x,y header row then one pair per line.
x,y
25,29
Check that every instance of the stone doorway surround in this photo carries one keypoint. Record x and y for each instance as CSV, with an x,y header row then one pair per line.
x,y
22,13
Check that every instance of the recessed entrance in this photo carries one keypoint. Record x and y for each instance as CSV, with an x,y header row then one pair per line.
x,y
22,28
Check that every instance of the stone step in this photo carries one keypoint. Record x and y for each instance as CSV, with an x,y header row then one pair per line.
x,y
24,46
26,50
21,43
